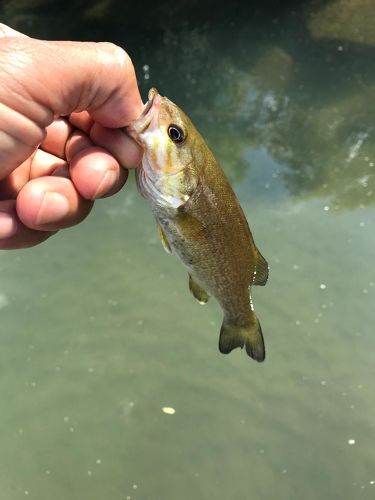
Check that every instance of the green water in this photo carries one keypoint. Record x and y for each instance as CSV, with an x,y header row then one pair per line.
x,y
98,329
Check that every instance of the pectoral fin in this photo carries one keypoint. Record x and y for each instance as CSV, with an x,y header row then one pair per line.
x,y
163,239
261,269
198,292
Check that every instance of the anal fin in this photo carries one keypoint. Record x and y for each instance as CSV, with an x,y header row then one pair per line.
x,y
198,292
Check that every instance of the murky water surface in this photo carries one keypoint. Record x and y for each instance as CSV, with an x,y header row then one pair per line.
x,y
99,332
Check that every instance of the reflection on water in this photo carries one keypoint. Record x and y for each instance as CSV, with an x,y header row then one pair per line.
x,y
99,332
263,85
345,20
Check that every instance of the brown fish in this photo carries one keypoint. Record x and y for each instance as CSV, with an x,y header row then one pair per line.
x,y
200,219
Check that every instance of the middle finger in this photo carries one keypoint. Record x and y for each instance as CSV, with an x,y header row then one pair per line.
x,y
57,136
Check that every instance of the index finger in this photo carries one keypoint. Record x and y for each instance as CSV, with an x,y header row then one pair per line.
x,y
61,77
7,31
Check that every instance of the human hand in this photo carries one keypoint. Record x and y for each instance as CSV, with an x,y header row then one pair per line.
x,y
61,107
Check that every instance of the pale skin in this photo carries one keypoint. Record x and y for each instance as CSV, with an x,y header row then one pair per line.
x,y
62,107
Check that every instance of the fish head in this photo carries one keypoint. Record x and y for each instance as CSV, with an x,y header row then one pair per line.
x,y
173,148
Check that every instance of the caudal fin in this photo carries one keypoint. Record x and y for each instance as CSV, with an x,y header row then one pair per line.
x,y
232,336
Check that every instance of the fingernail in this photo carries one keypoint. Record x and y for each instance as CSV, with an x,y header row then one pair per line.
x,y
107,183
53,208
8,224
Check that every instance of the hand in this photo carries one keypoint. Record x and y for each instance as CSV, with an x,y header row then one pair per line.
x,y
61,107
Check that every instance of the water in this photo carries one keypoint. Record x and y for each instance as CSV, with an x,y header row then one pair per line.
x,y
99,332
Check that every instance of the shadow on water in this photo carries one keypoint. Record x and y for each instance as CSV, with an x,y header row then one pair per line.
x,y
259,85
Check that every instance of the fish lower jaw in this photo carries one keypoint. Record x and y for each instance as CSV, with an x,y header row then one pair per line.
x,y
162,197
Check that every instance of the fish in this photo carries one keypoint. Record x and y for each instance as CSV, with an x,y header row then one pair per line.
x,y
199,218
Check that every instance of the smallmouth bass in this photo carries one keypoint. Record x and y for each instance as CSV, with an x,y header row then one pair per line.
x,y
200,219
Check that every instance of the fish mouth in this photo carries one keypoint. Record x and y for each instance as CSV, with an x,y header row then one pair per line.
x,y
152,93
147,107
149,114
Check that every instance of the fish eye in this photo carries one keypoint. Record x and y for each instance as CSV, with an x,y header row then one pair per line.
x,y
176,133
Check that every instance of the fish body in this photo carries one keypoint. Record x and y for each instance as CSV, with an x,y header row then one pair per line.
x,y
200,219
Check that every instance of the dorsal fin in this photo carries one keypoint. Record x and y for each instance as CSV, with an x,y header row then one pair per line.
x,y
261,269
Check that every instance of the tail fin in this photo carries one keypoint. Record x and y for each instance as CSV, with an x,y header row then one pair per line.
x,y
232,336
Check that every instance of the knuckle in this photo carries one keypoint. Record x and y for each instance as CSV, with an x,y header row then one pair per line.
x,y
118,56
